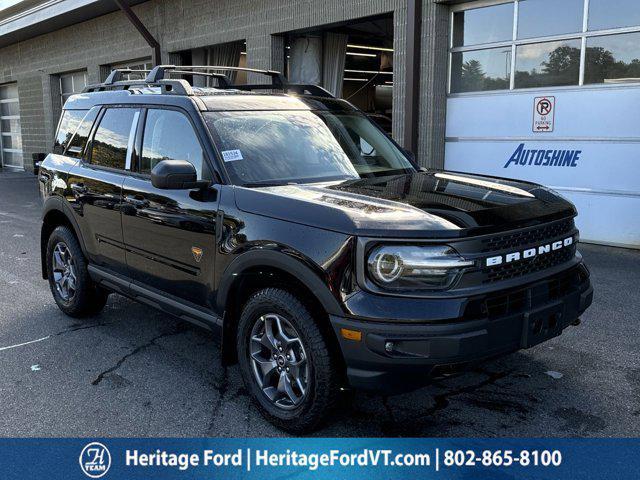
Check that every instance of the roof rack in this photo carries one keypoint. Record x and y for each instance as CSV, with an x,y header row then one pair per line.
x,y
278,80
157,78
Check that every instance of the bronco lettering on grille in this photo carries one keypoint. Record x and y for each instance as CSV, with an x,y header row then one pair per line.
x,y
529,252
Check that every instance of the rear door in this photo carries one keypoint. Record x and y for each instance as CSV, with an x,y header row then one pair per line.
x,y
170,234
96,186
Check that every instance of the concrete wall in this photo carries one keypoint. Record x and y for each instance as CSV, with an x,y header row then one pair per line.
x,y
186,24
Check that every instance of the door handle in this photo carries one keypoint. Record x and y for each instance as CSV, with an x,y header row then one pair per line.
x,y
79,188
137,201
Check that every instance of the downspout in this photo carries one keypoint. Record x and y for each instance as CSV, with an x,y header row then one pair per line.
x,y
150,39
412,75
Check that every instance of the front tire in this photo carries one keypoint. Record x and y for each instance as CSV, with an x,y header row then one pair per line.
x,y
286,361
72,288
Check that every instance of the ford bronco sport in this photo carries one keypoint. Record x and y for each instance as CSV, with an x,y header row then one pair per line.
x,y
291,226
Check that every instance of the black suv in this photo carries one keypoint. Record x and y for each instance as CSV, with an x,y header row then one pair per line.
x,y
295,229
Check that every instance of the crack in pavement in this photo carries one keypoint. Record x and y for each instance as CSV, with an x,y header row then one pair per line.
x,y
135,351
63,332
222,388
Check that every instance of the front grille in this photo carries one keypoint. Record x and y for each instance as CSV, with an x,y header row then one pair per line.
x,y
515,301
507,271
527,237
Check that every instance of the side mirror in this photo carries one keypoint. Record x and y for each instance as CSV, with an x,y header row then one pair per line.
x,y
176,175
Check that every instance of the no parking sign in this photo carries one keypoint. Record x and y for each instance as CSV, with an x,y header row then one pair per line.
x,y
544,110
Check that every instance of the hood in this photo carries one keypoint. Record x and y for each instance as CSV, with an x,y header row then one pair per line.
x,y
425,204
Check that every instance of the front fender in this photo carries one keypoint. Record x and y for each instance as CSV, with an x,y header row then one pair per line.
x,y
282,261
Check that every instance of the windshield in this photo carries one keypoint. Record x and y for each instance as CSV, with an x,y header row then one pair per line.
x,y
279,147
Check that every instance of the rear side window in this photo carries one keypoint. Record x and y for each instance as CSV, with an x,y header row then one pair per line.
x,y
169,135
69,121
109,146
79,140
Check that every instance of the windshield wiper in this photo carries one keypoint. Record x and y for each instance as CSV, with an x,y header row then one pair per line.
x,y
265,184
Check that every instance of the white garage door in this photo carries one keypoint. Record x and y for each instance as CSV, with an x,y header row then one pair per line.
x,y
555,102
10,137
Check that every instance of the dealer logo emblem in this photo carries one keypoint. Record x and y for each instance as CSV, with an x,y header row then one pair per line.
x,y
95,460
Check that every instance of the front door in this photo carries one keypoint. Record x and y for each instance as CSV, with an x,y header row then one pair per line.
x,y
170,234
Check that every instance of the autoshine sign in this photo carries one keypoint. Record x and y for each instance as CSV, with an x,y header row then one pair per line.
x,y
541,157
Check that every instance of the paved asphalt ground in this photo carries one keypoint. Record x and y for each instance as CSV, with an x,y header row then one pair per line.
x,y
132,371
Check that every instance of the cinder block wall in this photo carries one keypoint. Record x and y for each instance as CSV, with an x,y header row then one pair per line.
x,y
185,24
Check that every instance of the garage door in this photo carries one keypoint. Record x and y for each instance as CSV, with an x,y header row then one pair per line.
x,y
10,137
549,92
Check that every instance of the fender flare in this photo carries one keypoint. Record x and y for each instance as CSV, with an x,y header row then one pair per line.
x,y
59,205
282,261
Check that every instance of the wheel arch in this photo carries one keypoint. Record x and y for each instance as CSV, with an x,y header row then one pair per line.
x,y
54,214
255,270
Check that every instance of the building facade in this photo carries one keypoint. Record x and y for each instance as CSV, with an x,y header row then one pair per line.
x,y
542,90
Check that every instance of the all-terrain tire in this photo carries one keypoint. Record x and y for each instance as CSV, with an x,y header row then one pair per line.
x,y
324,373
87,298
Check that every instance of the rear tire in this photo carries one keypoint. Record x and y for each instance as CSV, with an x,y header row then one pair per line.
x,y
72,288
278,335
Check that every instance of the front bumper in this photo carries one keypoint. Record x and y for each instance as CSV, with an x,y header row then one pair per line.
x,y
394,356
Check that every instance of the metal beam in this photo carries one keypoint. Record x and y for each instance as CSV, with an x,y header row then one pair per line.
x,y
150,39
412,75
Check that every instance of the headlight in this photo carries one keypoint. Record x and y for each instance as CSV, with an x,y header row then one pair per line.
x,y
404,267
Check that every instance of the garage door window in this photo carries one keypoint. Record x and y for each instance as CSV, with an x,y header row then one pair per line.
x,y
144,64
508,45
71,83
10,135
613,59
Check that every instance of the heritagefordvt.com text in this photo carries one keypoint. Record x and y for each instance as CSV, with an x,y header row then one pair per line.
x,y
248,458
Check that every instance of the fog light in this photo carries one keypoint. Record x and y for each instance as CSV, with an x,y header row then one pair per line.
x,y
388,346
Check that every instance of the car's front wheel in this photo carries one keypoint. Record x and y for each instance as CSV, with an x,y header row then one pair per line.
x,y
286,361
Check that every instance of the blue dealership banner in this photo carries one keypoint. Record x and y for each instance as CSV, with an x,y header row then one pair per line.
x,y
319,458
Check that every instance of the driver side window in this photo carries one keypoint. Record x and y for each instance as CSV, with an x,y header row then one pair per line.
x,y
169,135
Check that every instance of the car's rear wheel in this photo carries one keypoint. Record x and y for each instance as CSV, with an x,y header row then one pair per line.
x,y
72,288
286,361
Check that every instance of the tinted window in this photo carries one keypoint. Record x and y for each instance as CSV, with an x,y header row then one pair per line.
x,y
548,64
613,59
68,123
109,148
168,135
481,70
538,18
77,144
483,25
604,14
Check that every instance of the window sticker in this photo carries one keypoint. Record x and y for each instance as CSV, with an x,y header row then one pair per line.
x,y
231,155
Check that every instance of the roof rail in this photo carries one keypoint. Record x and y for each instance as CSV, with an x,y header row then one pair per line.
x,y
157,78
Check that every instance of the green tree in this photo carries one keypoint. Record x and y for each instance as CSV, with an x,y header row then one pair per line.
x,y
473,76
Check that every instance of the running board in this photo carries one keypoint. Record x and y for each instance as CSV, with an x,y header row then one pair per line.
x,y
124,286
